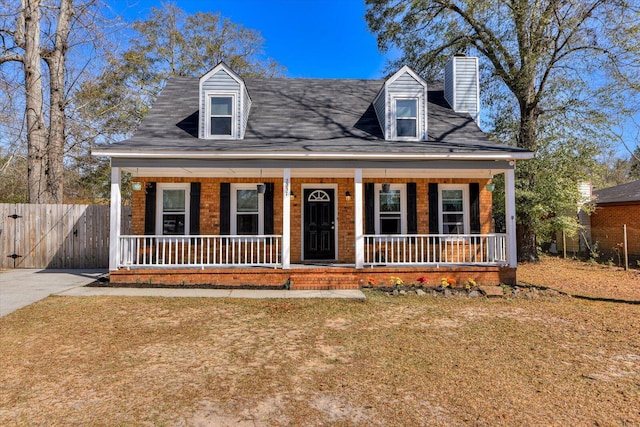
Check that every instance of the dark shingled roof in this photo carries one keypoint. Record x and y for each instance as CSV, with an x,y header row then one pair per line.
x,y
629,192
307,115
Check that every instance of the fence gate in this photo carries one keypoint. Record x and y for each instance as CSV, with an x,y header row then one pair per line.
x,y
56,236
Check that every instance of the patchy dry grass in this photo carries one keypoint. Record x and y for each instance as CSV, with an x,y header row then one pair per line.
x,y
582,278
387,361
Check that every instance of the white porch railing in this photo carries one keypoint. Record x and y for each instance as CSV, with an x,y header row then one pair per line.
x,y
417,249
200,251
266,250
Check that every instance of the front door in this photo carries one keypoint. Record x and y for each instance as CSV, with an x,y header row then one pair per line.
x,y
319,224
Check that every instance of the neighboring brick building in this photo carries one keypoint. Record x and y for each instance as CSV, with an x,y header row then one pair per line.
x,y
615,207
267,181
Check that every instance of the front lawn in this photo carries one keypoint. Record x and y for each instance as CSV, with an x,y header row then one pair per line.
x,y
387,361
582,278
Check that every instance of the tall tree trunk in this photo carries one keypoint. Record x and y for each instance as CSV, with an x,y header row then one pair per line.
x,y
29,22
528,135
56,61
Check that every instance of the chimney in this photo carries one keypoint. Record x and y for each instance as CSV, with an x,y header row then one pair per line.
x,y
461,85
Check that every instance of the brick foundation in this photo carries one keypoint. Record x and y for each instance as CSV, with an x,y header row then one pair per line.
x,y
309,277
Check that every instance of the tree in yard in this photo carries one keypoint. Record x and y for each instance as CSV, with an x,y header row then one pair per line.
x,y
30,45
554,72
168,43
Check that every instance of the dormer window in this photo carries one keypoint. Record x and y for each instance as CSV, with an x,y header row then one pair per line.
x,y
221,115
224,105
406,118
401,107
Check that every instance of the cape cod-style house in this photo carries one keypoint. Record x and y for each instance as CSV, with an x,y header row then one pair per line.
x,y
313,183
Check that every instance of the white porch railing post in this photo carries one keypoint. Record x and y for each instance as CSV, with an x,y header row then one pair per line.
x,y
359,232
114,220
510,217
286,219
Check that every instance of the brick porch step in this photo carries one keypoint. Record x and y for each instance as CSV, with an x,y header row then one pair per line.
x,y
323,281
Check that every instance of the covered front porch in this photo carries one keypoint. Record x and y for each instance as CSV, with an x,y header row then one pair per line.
x,y
352,246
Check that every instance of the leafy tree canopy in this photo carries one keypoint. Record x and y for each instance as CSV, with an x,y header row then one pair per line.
x,y
168,43
557,78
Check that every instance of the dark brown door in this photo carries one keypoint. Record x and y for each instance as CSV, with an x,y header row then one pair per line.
x,y
319,224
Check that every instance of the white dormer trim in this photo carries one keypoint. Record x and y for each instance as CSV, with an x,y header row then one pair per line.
x,y
241,103
387,118
216,69
403,70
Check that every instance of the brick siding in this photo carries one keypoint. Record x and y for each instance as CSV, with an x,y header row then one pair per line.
x,y
210,209
606,229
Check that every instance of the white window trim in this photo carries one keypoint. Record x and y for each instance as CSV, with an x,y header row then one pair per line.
x,y
419,125
465,206
234,114
161,186
403,206
234,208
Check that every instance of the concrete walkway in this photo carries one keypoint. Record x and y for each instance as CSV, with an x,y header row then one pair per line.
x,y
22,287
211,293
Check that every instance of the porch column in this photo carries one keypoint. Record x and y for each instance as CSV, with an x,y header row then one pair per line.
x,y
114,220
286,219
510,217
359,232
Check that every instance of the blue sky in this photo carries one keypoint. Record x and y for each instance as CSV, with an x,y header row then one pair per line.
x,y
311,38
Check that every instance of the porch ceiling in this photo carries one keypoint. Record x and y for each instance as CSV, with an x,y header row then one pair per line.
x,y
310,173
318,169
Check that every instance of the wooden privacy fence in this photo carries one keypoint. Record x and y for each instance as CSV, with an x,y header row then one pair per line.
x,y
56,236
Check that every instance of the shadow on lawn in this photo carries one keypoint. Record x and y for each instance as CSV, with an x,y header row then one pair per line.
x,y
578,296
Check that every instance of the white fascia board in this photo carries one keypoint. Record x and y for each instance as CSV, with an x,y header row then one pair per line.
x,y
408,70
298,155
221,66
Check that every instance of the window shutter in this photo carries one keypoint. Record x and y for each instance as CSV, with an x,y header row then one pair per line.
x,y
194,209
474,200
369,208
225,208
434,223
150,209
268,208
412,209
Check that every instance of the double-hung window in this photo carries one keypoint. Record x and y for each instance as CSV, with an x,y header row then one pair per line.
x,y
406,118
454,215
247,206
390,210
221,115
172,209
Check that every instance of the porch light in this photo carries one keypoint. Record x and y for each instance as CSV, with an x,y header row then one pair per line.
x,y
136,186
292,195
261,188
347,196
